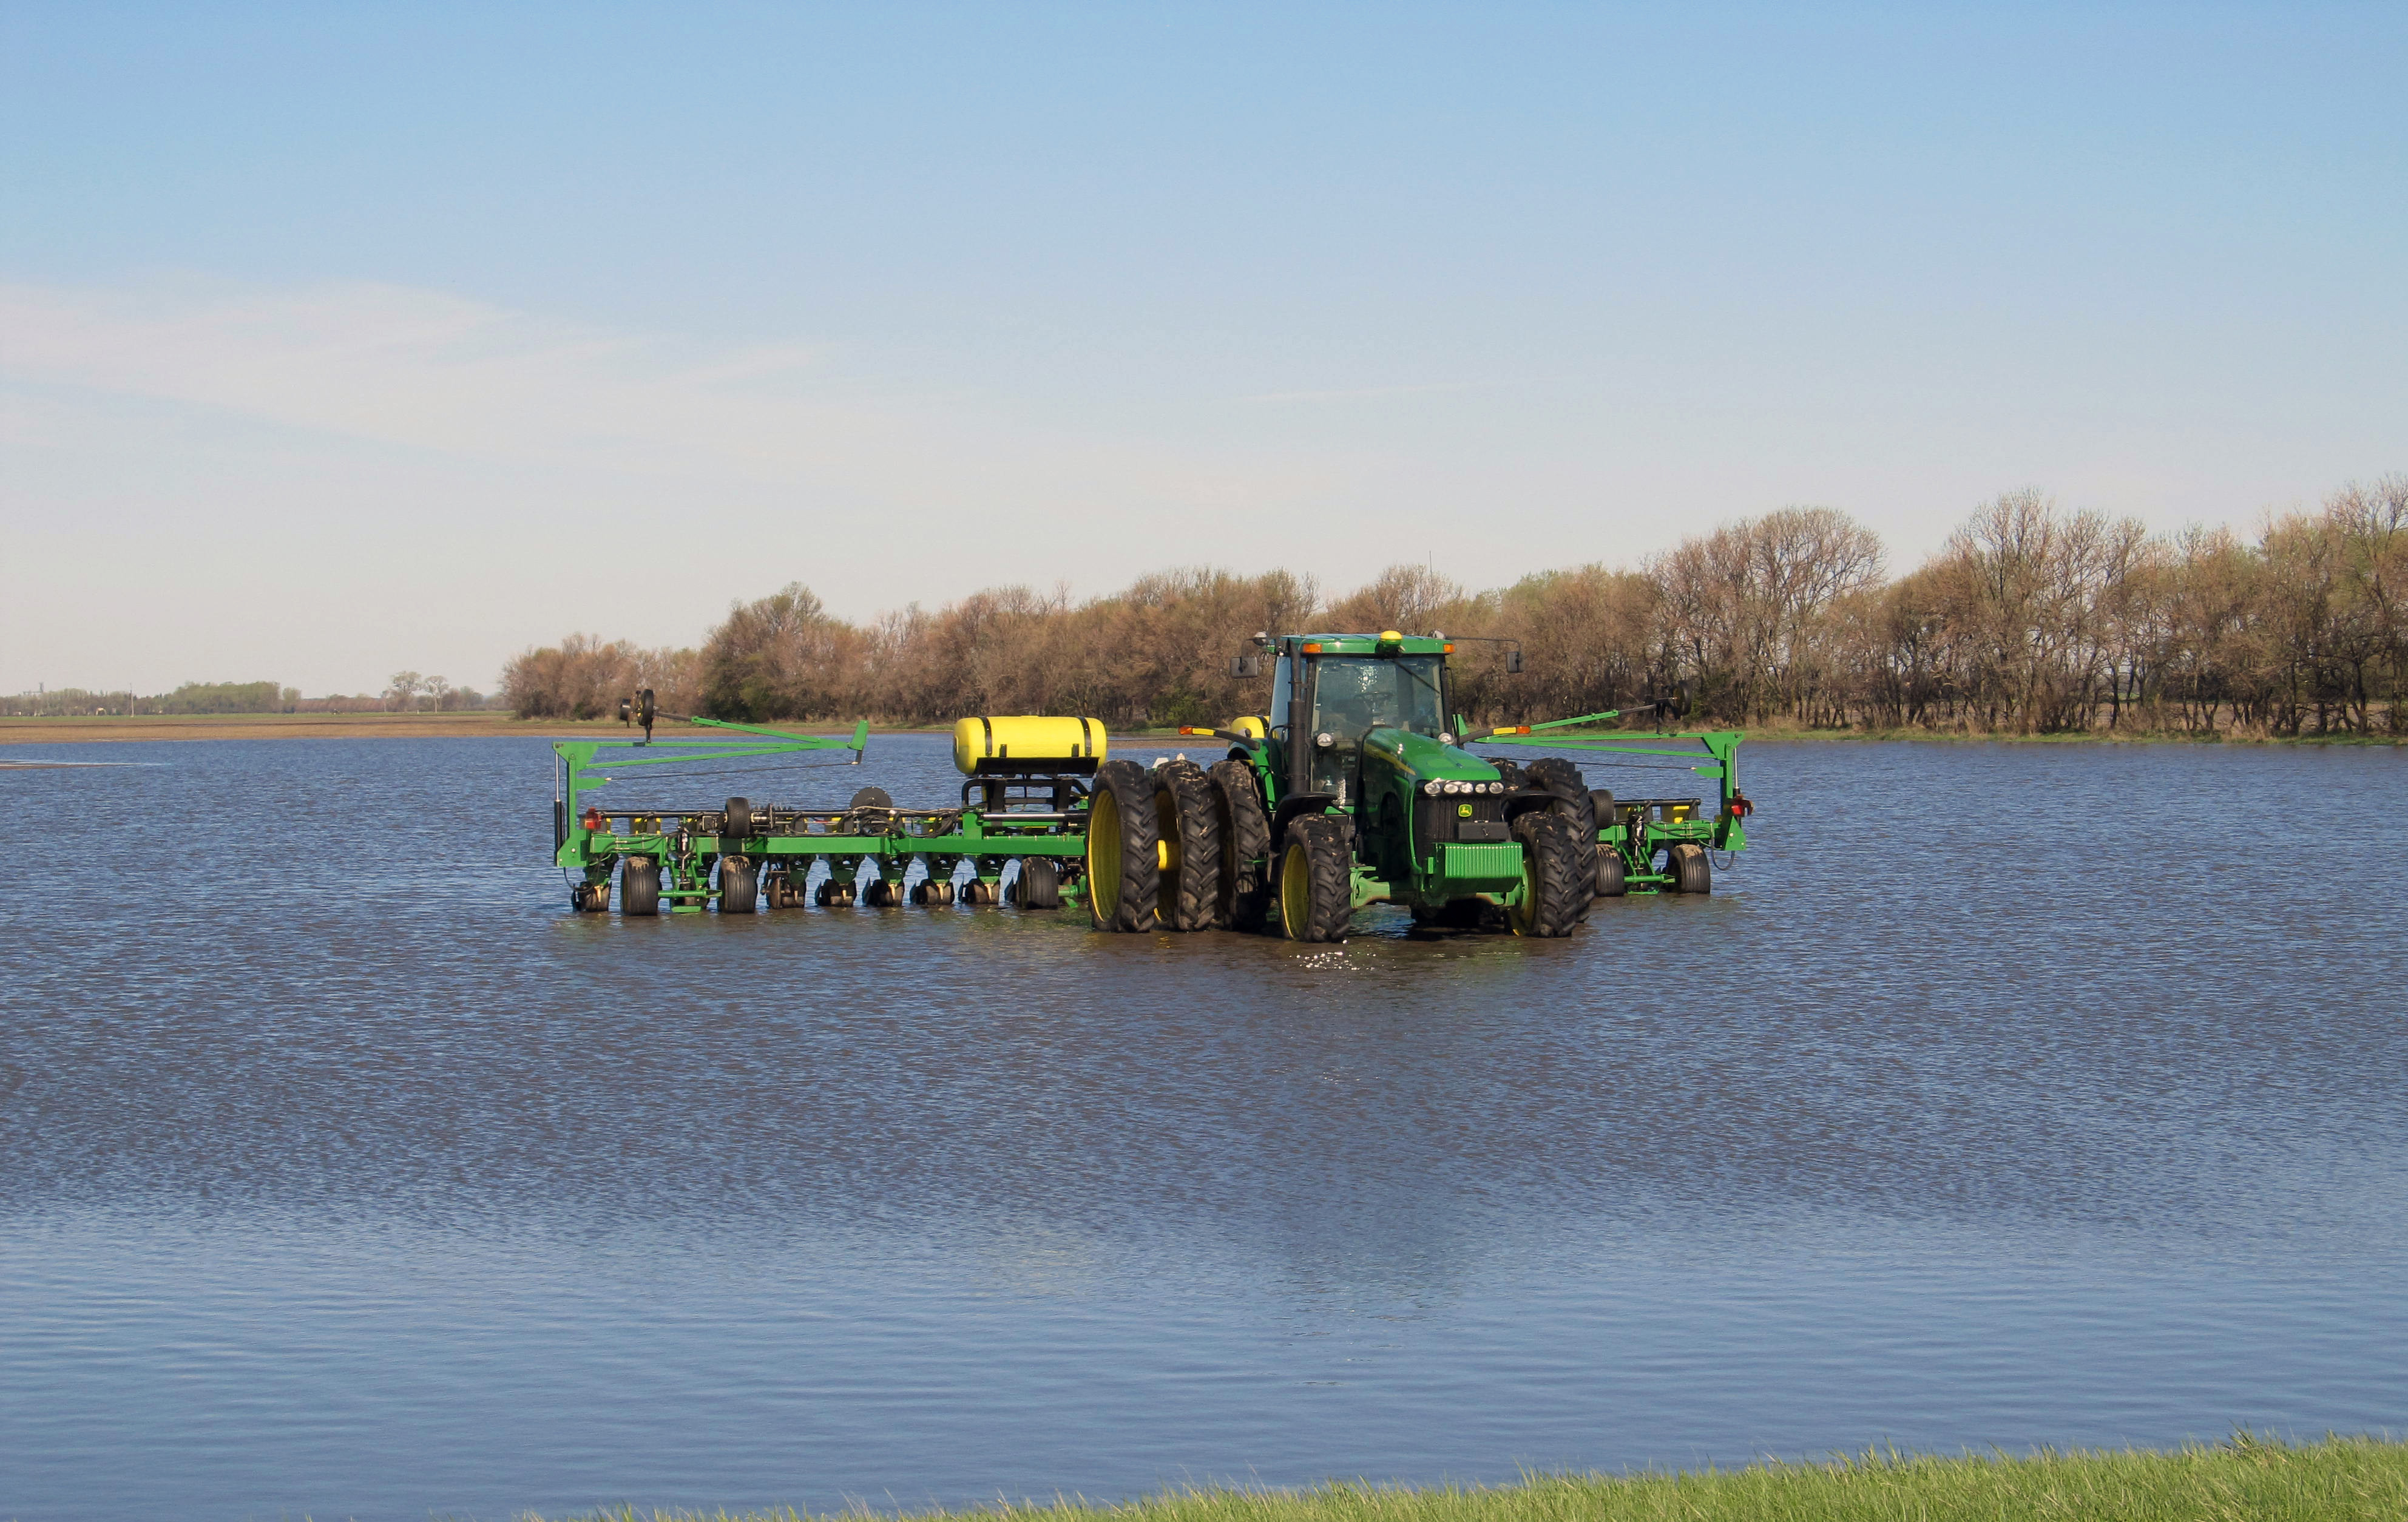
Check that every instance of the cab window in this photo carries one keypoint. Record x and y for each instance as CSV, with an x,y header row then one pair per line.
x,y
1352,694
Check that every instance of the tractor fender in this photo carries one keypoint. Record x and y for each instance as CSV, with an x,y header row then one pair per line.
x,y
1297,804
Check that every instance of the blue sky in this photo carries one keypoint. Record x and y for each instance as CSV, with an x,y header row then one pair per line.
x,y
339,339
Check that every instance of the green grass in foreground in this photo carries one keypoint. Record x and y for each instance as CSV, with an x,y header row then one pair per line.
x,y
2249,1477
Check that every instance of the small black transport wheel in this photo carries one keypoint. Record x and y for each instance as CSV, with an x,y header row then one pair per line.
x,y
1557,877
1124,868
1692,870
1245,846
738,820
1039,886
591,897
1188,817
1316,883
1613,881
1601,806
740,887
872,797
639,886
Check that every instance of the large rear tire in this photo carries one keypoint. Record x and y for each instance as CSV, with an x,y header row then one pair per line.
x,y
1316,888
1124,868
1188,817
1555,878
1245,845
639,886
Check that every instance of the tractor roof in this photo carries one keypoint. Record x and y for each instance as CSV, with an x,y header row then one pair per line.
x,y
1372,645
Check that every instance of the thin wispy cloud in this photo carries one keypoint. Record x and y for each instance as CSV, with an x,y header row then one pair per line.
x,y
1362,393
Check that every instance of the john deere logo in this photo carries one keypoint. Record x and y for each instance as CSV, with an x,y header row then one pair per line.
x,y
1463,811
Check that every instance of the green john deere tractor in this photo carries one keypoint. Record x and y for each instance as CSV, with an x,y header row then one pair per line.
x,y
1356,788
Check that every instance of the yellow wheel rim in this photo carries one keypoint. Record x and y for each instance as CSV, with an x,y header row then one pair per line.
x,y
1165,830
1104,855
1296,893
1524,911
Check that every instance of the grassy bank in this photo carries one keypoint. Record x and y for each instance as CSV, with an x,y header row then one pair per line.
x,y
2248,1478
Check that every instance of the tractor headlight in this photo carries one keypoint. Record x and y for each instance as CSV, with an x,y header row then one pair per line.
x,y
1324,740
1433,787
1445,738
1496,787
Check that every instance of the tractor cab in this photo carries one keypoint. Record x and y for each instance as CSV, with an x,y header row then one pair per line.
x,y
1329,691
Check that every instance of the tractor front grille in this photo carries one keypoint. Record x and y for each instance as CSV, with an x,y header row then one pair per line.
x,y
1484,869
1440,821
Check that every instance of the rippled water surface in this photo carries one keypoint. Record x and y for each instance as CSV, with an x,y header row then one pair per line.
x,y
1998,1096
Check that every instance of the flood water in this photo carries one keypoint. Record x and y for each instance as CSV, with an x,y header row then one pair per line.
x,y
2013,1096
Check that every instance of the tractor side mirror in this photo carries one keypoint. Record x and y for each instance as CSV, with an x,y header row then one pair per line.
x,y
1513,663
1246,665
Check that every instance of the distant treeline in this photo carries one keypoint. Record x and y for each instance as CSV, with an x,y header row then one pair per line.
x,y
2029,619
243,697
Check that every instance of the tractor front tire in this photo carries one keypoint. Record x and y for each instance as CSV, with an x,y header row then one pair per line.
x,y
1692,870
1316,886
639,887
1123,869
1574,803
1187,815
1556,878
1245,845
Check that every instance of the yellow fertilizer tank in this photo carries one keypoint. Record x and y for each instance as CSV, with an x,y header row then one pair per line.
x,y
989,744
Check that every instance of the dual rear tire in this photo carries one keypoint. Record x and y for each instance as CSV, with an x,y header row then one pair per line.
x,y
1176,847
1124,847
1246,867
1187,821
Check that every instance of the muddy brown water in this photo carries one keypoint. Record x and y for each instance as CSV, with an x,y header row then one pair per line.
x,y
1998,1096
